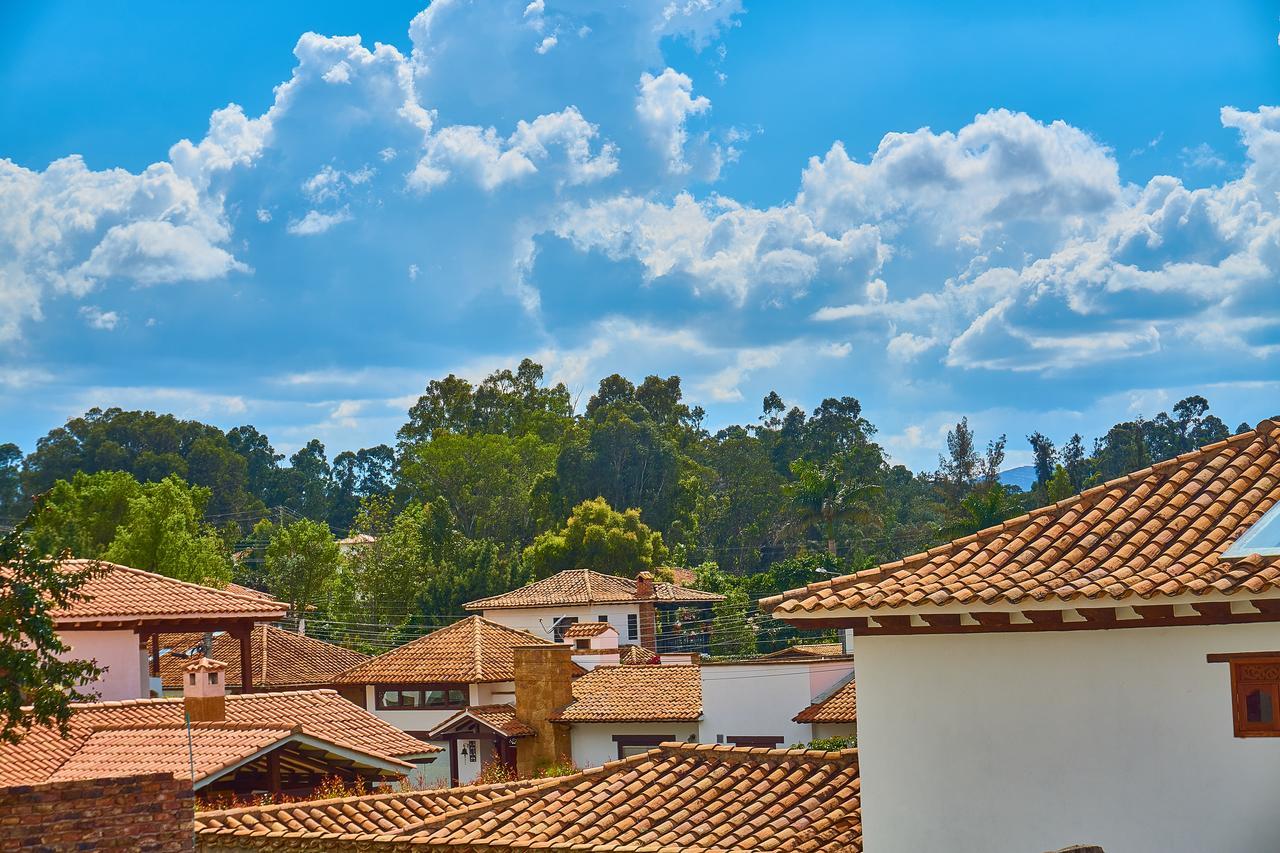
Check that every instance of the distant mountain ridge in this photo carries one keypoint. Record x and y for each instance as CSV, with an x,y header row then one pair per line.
x,y
1024,477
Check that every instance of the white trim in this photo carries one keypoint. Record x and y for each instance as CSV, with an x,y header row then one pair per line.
x,y
1268,524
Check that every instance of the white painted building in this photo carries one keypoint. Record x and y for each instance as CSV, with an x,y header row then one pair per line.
x,y
1105,670
658,616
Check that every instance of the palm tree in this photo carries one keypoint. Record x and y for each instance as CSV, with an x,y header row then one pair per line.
x,y
821,496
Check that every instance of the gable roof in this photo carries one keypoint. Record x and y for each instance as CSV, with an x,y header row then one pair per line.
x,y
635,693
470,651
806,651
586,630
1158,532
583,587
839,706
675,798
210,750
281,658
321,713
117,594
500,719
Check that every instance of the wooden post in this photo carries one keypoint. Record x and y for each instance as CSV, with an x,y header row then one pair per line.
x,y
155,654
246,660
273,772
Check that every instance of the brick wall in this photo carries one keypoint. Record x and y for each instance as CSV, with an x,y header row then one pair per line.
x,y
153,812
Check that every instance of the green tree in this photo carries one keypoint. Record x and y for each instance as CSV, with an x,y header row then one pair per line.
x,y
379,583
10,483
1059,486
486,479
824,496
83,515
162,532
985,506
301,561
597,537
38,686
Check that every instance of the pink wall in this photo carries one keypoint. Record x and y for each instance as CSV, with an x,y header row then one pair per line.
x,y
118,653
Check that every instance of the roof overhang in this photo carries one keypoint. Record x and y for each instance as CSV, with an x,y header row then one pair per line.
x,y
324,751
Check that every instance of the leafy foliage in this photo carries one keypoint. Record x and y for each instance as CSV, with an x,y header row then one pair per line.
x,y
829,744
38,686
163,532
301,561
599,537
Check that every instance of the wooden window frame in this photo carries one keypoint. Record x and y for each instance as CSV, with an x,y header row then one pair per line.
x,y
1252,671
633,628
421,690
648,741
766,741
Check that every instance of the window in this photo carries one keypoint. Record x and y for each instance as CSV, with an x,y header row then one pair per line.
x,y
582,644
193,677
629,745
602,618
213,678
1263,538
560,625
633,626
1255,696
437,697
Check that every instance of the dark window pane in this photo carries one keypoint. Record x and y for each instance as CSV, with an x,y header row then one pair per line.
x,y
1257,706
391,698
435,698
457,697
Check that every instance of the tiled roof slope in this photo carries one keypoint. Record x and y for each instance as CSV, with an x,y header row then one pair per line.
x,y
281,658
841,706
500,718
1155,532
586,630
471,650
322,713
678,797
119,594
584,586
807,651
370,814
635,694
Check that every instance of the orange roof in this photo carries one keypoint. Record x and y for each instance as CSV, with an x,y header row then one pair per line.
x,y
471,650
808,651
1158,532
635,655
840,706
585,630
499,718
281,658
635,694
321,713
121,594
584,586
678,797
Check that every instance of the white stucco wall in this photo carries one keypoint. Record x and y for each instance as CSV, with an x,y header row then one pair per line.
x,y
593,743
1008,743
759,700
117,652
539,620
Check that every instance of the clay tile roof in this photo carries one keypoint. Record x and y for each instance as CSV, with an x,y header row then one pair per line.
x,y
499,718
471,650
584,586
1156,532
675,798
840,706
121,594
636,655
585,630
282,658
321,713
635,694
808,651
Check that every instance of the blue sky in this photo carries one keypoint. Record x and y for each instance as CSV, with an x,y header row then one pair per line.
x,y
1042,216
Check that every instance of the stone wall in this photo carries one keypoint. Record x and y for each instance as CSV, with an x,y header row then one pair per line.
x,y
152,812
544,685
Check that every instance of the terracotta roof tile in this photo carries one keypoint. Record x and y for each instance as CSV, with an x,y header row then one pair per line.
x,y
282,658
675,798
840,706
471,650
586,630
118,593
499,718
1158,531
321,713
636,693
584,586
807,651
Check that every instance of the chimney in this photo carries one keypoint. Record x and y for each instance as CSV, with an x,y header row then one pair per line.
x,y
204,690
544,685
648,619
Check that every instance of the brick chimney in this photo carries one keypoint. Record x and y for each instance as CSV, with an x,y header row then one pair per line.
x,y
544,685
204,690
648,619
